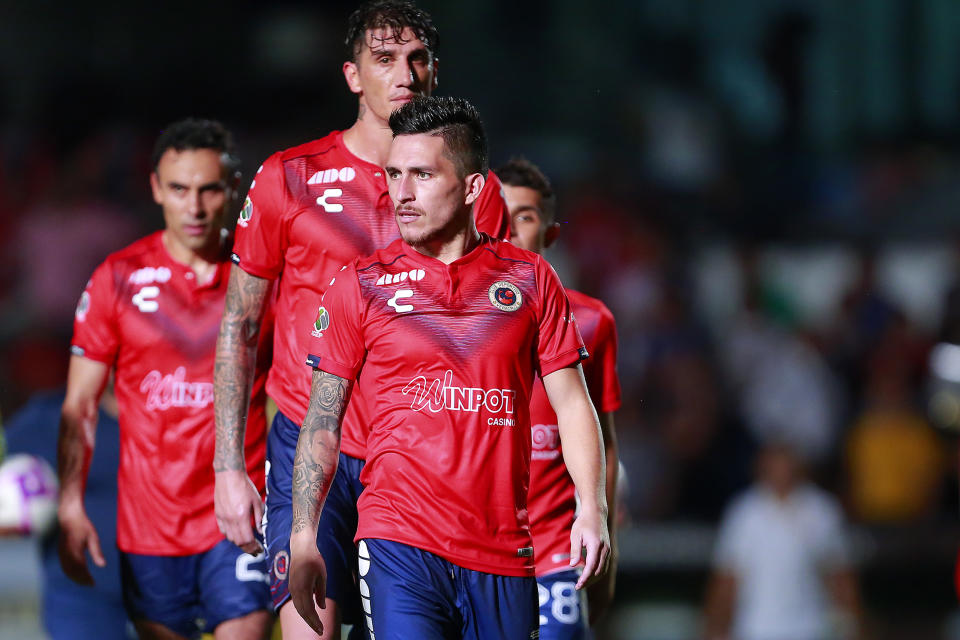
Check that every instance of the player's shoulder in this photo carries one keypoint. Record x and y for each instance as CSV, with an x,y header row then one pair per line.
x,y
332,143
505,250
582,302
382,259
146,250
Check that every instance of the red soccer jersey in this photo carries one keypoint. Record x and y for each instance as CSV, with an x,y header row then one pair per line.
x,y
552,494
310,210
453,350
143,313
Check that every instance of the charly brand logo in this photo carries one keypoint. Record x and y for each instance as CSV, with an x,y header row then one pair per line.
x,y
173,390
322,323
324,200
246,213
400,295
505,296
347,174
438,395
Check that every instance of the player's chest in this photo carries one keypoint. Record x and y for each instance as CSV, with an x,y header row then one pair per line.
x,y
158,308
344,219
429,313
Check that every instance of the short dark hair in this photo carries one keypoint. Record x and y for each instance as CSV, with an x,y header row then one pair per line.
x,y
455,120
196,133
394,16
520,172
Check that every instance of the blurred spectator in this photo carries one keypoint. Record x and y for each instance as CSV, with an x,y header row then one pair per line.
x,y
780,556
895,460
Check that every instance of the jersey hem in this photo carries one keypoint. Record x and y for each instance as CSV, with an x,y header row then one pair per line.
x,y
153,551
253,269
464,563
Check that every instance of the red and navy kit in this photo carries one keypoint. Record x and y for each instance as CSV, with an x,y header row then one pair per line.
x,y
453,350
552,494
310,210
145,314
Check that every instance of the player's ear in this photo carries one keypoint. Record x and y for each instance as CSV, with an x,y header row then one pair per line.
x,y
474,185
436,74
155,187
352,75
550,234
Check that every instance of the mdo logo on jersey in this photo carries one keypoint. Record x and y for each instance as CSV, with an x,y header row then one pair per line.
x,y
439,395
246,213
346,174
321,323
505,296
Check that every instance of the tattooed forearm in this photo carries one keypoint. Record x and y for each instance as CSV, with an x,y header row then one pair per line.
x,y
235,361
315,462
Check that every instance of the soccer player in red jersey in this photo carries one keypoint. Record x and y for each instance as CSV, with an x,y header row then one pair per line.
x,y
152,312
552,500
452,325
310,210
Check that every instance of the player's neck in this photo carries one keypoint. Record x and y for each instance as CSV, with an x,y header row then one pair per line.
x,y
369,138
203,262
452,249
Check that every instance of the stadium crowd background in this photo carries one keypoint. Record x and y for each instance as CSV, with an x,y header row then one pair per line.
x,y
764,193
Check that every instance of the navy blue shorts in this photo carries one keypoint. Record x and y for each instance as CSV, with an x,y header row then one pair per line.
x,y
338,522
563,611
413,594
193,594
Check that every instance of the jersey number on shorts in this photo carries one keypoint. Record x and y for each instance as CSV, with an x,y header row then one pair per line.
x,y
245,573
565,604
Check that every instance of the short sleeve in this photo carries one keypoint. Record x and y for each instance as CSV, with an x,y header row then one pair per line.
x,y
95,331
603,381
559,343
490,210
261,236
336,342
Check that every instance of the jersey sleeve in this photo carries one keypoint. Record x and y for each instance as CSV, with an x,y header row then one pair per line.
x,y
95,332
603,381
490,210
261,236
336,343
559,343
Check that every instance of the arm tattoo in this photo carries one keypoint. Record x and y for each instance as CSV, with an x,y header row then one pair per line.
x,y
235,362
315,462
74,452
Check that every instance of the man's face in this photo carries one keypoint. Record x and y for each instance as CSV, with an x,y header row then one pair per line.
x,y
191,187
527,224
432,203
390,71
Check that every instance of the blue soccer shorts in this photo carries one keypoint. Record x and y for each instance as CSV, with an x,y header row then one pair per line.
x,y
193,594
563,610
338,522
413,594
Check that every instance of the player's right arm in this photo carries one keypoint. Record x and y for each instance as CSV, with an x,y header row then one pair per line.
x,y
78,423
236,499
314,465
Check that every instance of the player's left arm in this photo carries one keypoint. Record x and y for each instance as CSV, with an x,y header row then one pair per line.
x,y
314,465
585,460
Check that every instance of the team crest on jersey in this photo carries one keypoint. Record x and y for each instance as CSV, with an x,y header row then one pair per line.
x,y
246,213
281,563
83,306
505,296
321,323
